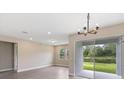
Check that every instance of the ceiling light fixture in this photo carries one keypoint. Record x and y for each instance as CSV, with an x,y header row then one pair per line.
x,y
53,41
30,38
49,33
87,30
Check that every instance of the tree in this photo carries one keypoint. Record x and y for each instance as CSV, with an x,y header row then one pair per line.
x,y
86,51
89,51
110,49
99,51
105,50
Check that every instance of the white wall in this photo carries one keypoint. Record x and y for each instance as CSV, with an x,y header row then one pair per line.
x,y
31,55
122,67
113,31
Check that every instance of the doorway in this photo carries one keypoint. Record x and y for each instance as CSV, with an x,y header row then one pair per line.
x,y
8,56
98,58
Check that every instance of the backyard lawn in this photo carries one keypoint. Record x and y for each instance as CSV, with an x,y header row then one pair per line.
x,y
103,67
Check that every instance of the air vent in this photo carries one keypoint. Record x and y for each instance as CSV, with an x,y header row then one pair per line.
x,y
24,32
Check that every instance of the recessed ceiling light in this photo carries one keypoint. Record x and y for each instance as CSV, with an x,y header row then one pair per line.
x,y
53,41
30,38
49,33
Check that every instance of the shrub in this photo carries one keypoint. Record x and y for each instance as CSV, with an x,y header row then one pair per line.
x,y
101,59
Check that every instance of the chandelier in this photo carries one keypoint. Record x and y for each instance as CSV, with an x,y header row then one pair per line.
x,y
86,30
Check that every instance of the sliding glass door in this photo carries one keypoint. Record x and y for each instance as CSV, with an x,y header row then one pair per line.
x,y
105,60
88,59
101,59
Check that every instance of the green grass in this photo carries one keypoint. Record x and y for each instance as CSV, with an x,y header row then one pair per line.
x,y
109,57
102,67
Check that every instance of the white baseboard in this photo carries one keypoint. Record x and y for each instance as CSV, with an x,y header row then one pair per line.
x,y
8,69
33,68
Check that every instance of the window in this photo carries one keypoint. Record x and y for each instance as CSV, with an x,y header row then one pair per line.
x,y
63,53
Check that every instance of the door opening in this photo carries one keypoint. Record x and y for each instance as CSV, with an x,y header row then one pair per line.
x,y
8,56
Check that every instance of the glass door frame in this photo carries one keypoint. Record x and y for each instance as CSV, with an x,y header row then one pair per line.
x,y
119,38
79,59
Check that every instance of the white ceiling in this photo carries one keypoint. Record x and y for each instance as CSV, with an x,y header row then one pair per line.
x,y
59,24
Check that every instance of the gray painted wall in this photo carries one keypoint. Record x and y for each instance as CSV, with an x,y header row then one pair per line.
x,y
6,56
